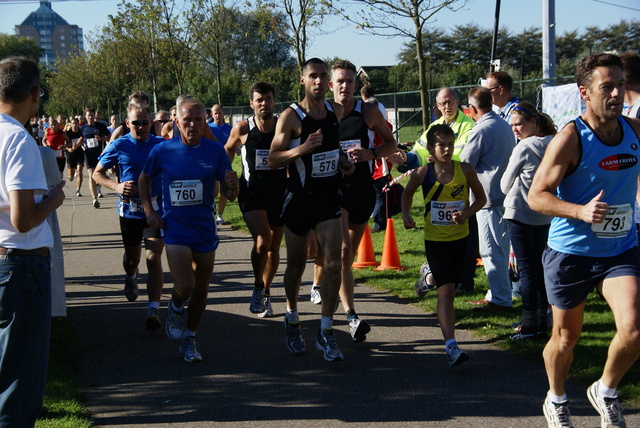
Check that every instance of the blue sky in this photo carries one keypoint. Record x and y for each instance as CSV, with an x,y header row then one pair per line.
x,y
344,41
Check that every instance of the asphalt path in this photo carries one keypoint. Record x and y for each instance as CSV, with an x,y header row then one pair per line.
x,y
398,377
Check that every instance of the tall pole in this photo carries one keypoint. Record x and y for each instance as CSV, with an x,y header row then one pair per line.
x,y
549,42
494,43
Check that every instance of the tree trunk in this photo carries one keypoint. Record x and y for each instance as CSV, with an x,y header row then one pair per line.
x,y
422,77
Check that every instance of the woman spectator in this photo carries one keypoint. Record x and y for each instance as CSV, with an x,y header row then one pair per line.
x,y
528,228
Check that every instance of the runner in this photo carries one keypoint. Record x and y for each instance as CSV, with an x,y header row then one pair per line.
x,y
58,141
307,140
588,181
261,192
445,186
128,155
75,155
359,124
189,168
94,134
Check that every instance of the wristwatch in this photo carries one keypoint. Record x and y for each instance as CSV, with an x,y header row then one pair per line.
x,y
376,153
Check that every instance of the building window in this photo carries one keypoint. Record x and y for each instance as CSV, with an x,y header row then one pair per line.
x,y
61,37
62,45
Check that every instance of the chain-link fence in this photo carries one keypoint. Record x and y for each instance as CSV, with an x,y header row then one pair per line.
x,y
404,111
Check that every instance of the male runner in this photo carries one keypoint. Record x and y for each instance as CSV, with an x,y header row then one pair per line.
x,y
129,154
360,122
221,130
307,140
261,192
75,155
189,167
588,181
93,135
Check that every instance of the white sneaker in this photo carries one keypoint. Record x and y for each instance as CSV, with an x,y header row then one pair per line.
x,y
557,414
255,307
455,355
268,310
316,298
220,221
609,408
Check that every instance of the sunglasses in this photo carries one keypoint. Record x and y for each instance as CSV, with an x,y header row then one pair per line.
x,y
139,122
164,121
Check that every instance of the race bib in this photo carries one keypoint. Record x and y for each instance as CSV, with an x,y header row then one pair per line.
x,y
75,141
58,153
135,205
442,212
325,164
617,223
261,160
92,143
348,145
186,192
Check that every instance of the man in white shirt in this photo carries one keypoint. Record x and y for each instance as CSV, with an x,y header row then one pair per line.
x,y
25,241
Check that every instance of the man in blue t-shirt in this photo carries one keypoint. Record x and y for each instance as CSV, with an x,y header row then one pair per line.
x,y
189,167
221,130
128,155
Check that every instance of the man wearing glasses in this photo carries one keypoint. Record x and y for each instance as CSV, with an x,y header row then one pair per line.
x,y
128,155
500,84
449,105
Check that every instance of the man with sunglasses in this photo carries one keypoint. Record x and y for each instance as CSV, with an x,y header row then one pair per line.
x,y
500,84
128,155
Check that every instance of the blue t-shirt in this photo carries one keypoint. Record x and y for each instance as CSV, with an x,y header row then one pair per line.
x,y
129,156
188,177
221,132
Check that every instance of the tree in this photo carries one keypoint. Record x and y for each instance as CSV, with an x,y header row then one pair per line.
x,y
391,18
19,46
303,18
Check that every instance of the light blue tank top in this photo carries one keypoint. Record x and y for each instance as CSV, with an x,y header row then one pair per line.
x,y
613,169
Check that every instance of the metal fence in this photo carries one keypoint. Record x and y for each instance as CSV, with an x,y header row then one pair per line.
x,y
404,110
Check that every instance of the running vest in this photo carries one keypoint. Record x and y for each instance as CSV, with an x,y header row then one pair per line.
x,y
317,172
254,153
354,133
441,201
613,169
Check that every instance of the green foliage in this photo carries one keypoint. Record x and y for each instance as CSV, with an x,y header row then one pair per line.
x,y
19,46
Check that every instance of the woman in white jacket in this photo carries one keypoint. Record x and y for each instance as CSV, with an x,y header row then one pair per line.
x,y
528,228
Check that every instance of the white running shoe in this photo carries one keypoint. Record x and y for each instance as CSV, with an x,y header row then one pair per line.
x,y
557,414
609,408
268,310
455,355
316,298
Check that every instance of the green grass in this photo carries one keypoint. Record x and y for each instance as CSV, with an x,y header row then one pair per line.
x,y
63,397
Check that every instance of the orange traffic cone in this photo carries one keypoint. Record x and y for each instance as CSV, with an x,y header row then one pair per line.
x,y
390,256
366,256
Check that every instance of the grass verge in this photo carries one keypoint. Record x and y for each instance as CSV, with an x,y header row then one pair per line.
x,y
63,397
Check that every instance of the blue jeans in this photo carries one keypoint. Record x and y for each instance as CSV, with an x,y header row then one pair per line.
x,y
380,209
25,324
528,244
494,250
